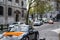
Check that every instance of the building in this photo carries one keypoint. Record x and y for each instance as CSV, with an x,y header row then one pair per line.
x,y
9,8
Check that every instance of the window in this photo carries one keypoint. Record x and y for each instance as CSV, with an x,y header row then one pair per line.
x,y
22,3
9,11
1,10
9,0
17,1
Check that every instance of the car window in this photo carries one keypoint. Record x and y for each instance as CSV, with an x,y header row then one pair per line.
x,y
15,23
21,23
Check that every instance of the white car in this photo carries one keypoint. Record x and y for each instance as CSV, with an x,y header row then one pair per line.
x,y
14,25
45,20
37,23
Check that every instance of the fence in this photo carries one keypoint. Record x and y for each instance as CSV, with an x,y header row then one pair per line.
x,y
4,27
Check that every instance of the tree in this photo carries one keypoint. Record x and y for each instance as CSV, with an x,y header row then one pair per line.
x,y
38,6
41,7
29,5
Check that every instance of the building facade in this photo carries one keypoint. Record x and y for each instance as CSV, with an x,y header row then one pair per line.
x,y
8,8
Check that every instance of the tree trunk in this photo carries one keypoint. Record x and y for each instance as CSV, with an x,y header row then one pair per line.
x,y
37,16
27,16
41,16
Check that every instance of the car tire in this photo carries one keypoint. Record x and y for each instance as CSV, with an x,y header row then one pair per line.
x,y
26,38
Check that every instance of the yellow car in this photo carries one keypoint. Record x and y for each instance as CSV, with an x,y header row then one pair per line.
x,y
25,33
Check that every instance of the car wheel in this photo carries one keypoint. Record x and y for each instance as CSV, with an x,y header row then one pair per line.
x,y
26,38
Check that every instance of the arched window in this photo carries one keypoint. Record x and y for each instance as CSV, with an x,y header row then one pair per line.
x,y
22,3
9,11
1,10
9,0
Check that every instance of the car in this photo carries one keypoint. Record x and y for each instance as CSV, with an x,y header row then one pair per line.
x,y
14,24
24,32
45,20
29,30
37,23
50,22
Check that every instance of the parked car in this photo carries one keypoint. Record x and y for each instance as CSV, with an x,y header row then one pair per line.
x,y
37,23
24,32
14,24
50,21
45,20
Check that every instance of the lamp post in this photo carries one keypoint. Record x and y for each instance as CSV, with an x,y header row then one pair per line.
x,y
22,8
6,13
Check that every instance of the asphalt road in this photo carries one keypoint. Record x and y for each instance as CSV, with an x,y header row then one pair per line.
x,y
46,27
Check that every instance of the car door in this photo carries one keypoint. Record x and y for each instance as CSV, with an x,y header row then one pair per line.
x,y
31,34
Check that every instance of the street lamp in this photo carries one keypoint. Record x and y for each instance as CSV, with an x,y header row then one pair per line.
x,y
6,13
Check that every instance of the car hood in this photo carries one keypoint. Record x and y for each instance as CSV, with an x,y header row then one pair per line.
x,y
18,35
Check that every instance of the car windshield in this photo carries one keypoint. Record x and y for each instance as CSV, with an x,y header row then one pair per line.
x,y
24,29
21,28
15,23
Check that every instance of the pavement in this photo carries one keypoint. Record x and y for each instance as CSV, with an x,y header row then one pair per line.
x,y
46,27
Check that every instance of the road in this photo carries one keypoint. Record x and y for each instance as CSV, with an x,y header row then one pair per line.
x,y
46,27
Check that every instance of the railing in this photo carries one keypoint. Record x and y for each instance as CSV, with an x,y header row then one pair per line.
x,y
4,27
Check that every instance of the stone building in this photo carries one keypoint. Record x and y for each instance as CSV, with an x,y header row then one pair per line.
x,y
8,10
